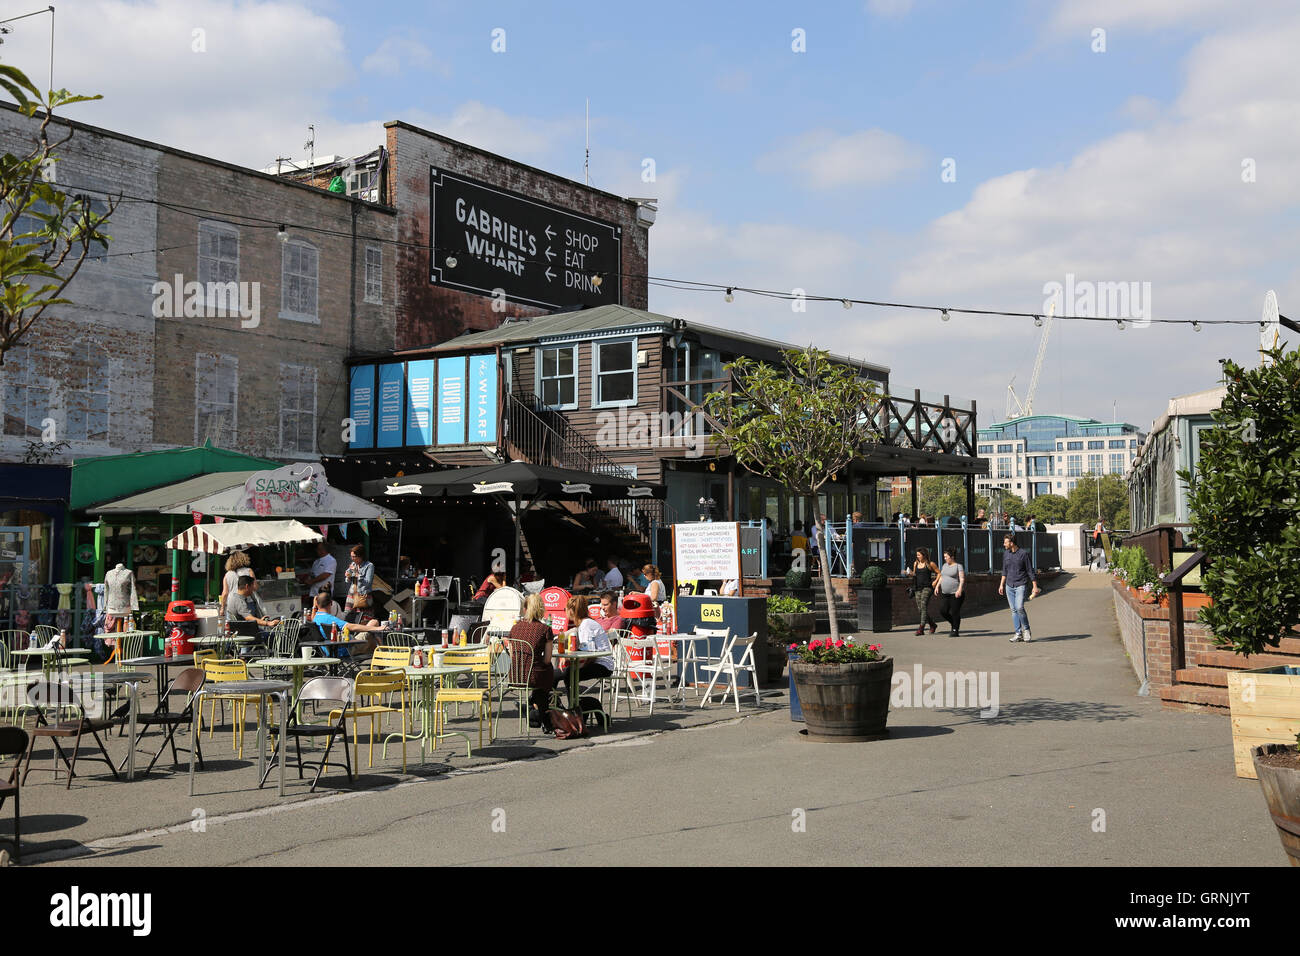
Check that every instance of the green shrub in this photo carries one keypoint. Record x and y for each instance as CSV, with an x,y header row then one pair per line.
x,y
785,604
797,580
874,577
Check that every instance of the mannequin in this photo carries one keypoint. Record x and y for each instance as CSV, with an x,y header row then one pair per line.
x,y
120,601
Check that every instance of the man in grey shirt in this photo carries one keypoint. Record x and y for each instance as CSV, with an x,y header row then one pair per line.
x,y
1017,574
245,605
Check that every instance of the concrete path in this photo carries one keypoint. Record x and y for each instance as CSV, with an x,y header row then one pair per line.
x,y
1074,769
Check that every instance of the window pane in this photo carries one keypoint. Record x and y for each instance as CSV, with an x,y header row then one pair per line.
x,y
568,391
551,392
616,388
616,356
564,361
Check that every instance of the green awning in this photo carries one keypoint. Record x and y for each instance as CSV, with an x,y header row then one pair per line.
x,y
98,480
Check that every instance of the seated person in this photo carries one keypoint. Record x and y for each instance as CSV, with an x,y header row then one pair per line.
x,y
730,588
497,579
590,636
610,618
245,607
323,620
588,577
332,607
534,630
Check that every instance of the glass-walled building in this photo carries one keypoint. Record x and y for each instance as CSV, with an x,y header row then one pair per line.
x,y
1046,454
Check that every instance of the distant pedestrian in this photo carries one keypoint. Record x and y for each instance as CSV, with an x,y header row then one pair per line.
x,y
1017,574
951,591
923,573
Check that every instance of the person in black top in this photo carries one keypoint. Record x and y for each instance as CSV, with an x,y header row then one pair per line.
x,y
923,571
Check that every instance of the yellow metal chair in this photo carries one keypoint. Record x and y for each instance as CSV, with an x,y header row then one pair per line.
x,y
480,662
372,685
387,657
231,669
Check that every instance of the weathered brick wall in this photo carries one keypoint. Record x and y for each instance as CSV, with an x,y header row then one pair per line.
x,y
104,337
256,204
1147,624
428,314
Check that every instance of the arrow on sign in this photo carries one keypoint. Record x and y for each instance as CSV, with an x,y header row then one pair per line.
x,y
549,274
549,254
550,234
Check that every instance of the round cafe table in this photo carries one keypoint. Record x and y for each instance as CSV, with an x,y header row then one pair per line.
x,y
426,681
296,666
571,672
49,656
160,662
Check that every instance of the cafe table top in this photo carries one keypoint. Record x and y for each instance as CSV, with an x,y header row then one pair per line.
x,y
352,642
223,639
159,660
72,653
584,655
227,687
438,648
116,677
439,671
294,662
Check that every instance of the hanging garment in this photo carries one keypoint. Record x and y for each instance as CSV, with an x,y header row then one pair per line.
x,y
119,592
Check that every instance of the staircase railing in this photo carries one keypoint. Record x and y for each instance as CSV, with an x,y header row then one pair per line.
x,y
545,437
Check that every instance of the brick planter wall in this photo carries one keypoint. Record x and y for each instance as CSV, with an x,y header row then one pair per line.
x,y
1146,623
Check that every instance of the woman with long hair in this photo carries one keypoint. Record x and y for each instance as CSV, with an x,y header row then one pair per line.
x,y
533,631
655,588
923,573
237,566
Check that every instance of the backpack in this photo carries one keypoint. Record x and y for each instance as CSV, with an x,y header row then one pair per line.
x,y
565,724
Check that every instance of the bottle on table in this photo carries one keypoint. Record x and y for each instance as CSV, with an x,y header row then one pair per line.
x,y
444,638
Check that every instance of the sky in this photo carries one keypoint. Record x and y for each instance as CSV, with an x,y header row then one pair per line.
x,y
937,152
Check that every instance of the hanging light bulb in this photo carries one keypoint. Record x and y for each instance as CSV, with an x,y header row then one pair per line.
x,y
945,316
1120,324
1196,326
731,297
451,262
1038,321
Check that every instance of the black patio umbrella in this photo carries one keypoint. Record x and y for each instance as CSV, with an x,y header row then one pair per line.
x,y
519,485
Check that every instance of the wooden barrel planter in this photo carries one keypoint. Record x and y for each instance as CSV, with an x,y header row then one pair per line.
x,y
844,703
1281,785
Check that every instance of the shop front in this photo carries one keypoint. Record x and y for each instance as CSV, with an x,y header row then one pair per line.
x,y
33,516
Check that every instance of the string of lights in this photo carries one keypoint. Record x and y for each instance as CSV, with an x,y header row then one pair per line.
x,y
449,256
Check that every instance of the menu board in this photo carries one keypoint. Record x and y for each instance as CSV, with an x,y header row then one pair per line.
x,y
706,551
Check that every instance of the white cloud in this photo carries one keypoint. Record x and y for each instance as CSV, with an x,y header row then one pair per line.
x,y
398,54
827,159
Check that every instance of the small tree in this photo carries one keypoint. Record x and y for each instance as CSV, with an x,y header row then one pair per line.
x,y
57,229
1049,509
800,423
1114,500
1244,496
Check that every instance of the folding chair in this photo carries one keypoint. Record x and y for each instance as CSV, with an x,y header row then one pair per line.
x,y
518,681
331,689
13,743
726,664
188,682
373,684
692,656
646,670
58,697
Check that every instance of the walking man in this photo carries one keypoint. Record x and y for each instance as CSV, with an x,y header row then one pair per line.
x,y
1017,574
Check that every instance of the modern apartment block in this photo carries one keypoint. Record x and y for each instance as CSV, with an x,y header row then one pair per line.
x,y
1046,454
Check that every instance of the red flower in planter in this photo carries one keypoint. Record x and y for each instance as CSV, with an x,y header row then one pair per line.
x,y
793,647
814,644
839,644
874,647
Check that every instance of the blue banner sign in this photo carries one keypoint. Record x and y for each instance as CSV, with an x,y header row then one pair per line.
x,y
482,398
419,403
389,419
451,401
361,406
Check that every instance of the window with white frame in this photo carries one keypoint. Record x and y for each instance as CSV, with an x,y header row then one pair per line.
x,y
297,409
557,376
26,392
613,379
216,384
218,253
1004,467
298,276
86,398
1117,464
375,275
1074,466
1094,464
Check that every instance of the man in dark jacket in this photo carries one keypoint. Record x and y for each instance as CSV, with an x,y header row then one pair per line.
x,y
1017,574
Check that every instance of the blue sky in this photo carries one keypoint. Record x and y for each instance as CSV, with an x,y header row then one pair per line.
x,y
818,170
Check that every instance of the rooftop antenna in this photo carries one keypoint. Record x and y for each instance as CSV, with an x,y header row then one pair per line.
x,y
586,162
310,146
35,13
279,160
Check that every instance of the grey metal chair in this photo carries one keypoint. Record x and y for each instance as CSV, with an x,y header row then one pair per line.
x,y
338,690
13,743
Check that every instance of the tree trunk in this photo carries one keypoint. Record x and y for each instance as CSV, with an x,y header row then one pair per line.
x,y
826,579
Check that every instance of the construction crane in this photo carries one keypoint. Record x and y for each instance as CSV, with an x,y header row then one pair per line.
x,y
1014,407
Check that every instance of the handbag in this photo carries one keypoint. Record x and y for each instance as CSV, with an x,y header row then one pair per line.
x,y
565,724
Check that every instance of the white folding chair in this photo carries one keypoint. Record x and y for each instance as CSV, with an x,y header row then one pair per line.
x,y
691,655
730,667
645,672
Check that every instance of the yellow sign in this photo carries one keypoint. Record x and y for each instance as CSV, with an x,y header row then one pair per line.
x,y
711,613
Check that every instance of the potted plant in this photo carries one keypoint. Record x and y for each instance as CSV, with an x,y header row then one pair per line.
x,y
1244,497
789,621
843,688
875,601
798,584
1278,768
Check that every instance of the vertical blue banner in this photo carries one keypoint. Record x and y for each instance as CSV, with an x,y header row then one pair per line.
x,y
361,406
451,401
419,402
389,405
483,398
